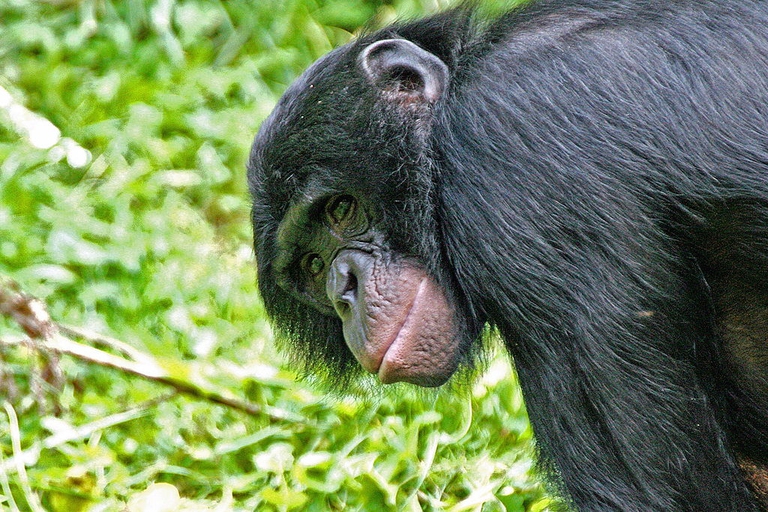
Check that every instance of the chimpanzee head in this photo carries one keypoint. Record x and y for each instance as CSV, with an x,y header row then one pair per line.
x,y
347,239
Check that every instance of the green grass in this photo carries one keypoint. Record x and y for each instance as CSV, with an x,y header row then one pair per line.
x,y
135,225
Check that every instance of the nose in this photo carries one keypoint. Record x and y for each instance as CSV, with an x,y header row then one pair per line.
x,y
343,281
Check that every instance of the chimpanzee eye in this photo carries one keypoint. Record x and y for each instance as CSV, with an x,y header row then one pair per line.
x,y
340,208
313,264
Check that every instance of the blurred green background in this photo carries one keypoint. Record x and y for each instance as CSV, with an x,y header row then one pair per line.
x,y
124,131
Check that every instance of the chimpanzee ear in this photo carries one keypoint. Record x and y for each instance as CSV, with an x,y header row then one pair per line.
x,y
405,71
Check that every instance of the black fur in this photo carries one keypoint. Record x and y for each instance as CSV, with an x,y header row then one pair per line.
x,y
593,185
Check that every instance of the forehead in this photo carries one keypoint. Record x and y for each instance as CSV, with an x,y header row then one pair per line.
x,y
307,130
305,97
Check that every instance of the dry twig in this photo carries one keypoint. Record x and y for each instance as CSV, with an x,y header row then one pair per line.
x,y
32,315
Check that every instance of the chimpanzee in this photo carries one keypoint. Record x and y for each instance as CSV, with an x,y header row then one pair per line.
x,y
586,178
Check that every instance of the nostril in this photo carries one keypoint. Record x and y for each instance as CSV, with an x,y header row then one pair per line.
x,y
347,296
350,290
343,284
342,308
